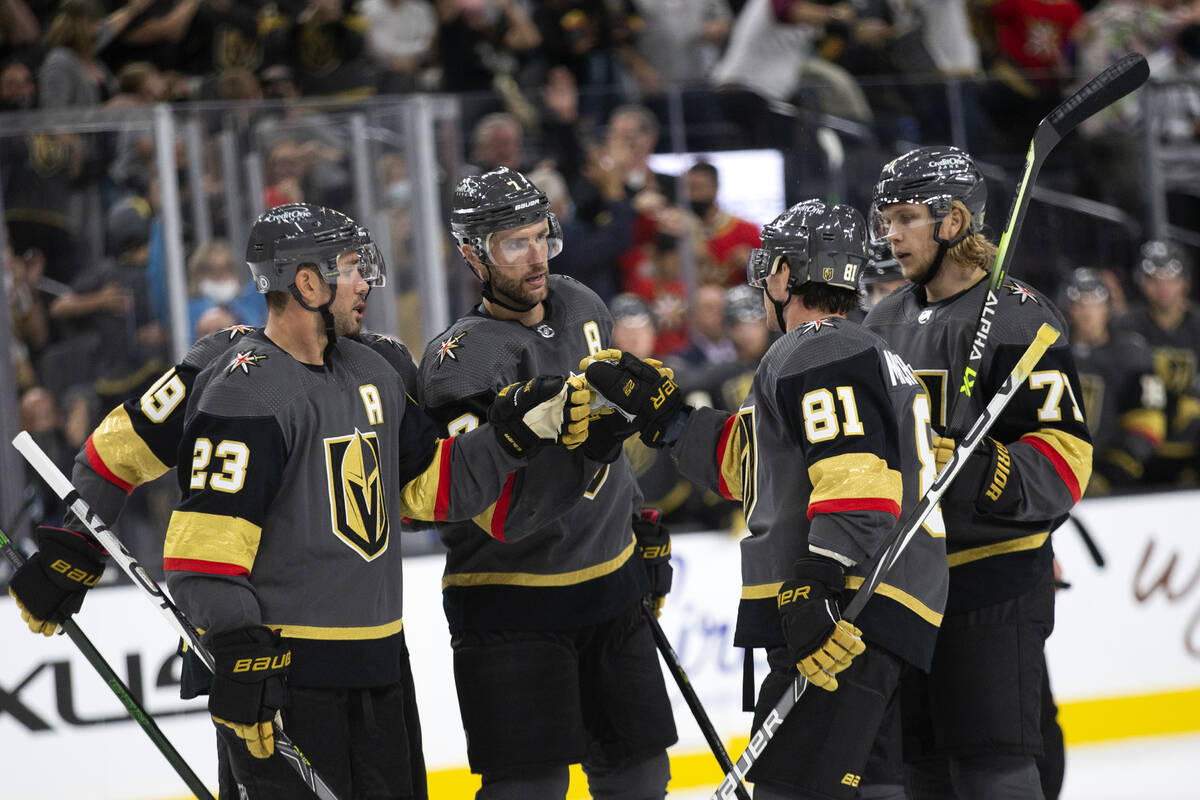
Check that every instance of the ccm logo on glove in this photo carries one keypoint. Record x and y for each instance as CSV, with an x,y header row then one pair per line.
x,y
262,664
75,573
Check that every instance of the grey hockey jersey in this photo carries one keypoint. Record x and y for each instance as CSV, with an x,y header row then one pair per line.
x,y
294,479
556,550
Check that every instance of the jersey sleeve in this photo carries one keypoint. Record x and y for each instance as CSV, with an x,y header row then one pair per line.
x,y
137,441
710,448
1044,431
840,416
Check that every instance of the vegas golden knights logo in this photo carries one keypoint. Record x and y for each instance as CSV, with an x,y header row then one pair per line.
x,y
1093,398
356,492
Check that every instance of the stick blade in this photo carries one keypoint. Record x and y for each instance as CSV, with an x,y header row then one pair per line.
x,y
1101,91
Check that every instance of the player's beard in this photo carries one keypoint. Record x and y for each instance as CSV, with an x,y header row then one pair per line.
x,y
346,321
517,290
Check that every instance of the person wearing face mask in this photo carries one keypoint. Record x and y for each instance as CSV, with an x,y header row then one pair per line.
x,y
216,280
730,238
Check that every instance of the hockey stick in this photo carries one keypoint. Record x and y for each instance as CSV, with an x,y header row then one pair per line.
x,y
693,700
139,714
1097,94
137,573
892,547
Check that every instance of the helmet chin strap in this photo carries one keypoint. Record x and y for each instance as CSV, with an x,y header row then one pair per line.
x,y
944,246
323,310
779,307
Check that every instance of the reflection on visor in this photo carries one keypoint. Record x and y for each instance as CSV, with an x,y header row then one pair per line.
x,y
509,249
758,267
900,218
369,262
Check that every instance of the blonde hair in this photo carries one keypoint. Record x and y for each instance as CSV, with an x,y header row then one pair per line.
x,y
974,250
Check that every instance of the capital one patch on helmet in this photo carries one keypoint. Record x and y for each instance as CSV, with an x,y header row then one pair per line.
x,y
357,507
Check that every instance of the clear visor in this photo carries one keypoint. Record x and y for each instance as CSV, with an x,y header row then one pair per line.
x,y
366,260
529,245
759,266
895,219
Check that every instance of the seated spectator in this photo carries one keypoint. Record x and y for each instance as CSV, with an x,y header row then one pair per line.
x,y
730,239
633,330
285,174
727,383
216,278
19,29
400,36
497,141
707,342
138,84
26,310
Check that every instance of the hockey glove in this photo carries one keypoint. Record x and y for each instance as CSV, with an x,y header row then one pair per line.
x,y
607,432
820,642
249,685
645,389
943,450
541,411
50,586
986,477
654,543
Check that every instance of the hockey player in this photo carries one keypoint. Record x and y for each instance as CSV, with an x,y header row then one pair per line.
x,y
553,659
972,723
829,448
1170,324
1123,398
305,453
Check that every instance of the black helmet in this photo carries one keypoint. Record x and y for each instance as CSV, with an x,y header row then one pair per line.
x,y
882,266
1084,285
744,304
302,233
495,201
821,243
1163,260
935,176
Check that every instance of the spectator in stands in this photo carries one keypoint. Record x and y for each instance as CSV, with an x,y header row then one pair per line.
x,y
26,309
18,92
111,302
71,76
224,34
497,141
285,174
400,36
583,37
596,244
216,318
635,129
1170,324
19,29
1123,398
480,42
138,84
707,342
730,239
216,278
634,329
153,33
323,42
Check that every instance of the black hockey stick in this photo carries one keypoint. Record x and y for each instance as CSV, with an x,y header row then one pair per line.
x,y
1097,94
693,700
62,487
114,682
891,548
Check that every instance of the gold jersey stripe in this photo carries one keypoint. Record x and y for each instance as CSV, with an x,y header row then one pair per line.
x,y
123,451
537,579
418,497
1148,422
1075,453
1032,542
195,536
900,596
854,475
339,634
761,591
730,466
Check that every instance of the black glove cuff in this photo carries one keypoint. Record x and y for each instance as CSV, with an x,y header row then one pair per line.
x,y
997,492
821,569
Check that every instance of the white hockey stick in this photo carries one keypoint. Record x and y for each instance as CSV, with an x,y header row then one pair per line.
x,y
62,487
891,549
